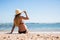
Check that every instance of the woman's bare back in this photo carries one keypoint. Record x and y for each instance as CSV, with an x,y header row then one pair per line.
x,y
18,21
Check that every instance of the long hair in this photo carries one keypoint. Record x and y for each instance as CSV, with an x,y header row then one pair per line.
x,y
16,19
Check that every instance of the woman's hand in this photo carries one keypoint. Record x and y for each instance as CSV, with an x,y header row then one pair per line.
x,y
26,18
24,11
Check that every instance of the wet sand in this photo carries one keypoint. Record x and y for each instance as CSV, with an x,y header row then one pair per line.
x,y
31,36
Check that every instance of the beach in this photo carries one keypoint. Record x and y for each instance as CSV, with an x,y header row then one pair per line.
x,y
30,36
36,32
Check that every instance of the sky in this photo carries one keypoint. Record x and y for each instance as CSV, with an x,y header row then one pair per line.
x,y
39,11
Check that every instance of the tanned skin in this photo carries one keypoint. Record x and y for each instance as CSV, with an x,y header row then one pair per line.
x,y
21,27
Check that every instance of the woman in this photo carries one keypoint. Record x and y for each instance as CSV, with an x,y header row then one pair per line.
x,y
18,21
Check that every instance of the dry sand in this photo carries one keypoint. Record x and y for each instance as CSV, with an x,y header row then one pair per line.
x,y
31,36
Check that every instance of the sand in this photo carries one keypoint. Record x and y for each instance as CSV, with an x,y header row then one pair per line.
x,y
31,36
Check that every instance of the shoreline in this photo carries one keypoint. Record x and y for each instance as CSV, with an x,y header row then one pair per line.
x,y
31,32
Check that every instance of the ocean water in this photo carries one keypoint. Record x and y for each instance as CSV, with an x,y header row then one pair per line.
x,y
32,27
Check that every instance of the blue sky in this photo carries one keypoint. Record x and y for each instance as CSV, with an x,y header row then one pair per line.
x,y
39,11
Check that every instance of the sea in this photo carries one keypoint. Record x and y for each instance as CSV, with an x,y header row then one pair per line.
x,y
39,27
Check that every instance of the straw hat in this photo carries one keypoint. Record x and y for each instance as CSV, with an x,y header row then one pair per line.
x,y
18,11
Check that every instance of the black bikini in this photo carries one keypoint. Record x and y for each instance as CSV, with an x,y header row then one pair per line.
x,y
22,32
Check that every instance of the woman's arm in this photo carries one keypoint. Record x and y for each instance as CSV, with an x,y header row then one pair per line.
x,y
26,18
13,28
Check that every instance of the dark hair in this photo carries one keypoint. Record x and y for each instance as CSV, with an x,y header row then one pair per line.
x,y
17,15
